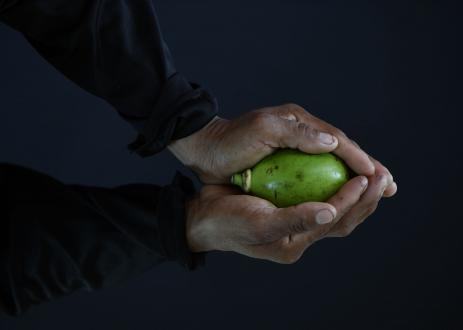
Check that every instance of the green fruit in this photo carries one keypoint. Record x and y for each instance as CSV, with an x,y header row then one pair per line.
x,y
289,177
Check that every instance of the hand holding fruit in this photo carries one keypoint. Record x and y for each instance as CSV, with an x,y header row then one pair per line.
x,y
225,147
222,218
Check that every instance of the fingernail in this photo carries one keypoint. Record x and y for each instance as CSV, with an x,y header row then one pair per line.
x,y
326,138
364,181
372,168
324,217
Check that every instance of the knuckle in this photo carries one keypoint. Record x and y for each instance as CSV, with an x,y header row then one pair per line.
x,y
263,231
263,237
260,120
289,258
298,219
307,131
296,108
259,230
298,226
293,106
339,132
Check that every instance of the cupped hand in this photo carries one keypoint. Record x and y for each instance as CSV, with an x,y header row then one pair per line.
x,y
222,218
224,147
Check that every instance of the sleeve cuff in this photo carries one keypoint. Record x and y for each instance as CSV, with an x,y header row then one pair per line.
x,y
184,107
172,222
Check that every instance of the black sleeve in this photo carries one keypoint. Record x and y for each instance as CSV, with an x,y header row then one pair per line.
x,y
56,239
114,49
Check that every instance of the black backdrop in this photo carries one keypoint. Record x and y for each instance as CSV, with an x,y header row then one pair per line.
x,y
384,72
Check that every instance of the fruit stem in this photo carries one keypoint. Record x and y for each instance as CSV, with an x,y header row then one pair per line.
x,y
243,180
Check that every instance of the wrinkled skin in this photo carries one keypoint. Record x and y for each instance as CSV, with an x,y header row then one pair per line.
x,y
224,147
224,219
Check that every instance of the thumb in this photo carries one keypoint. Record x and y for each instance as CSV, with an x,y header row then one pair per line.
x,y
304,217
303,136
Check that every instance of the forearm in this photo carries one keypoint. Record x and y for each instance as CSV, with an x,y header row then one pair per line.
x,y
114,49
57,238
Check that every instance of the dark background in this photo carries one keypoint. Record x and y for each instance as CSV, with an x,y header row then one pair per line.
x,y
387,73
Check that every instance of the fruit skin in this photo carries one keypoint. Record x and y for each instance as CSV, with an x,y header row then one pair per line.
x,y
289,177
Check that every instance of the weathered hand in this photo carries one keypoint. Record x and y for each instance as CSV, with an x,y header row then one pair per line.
x,y
378,186
224,147
221,218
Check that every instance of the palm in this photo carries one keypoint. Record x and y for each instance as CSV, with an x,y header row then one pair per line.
x,y
239,216
248,225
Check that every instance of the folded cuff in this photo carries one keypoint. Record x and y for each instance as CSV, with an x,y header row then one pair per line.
x,y
184,107
171,215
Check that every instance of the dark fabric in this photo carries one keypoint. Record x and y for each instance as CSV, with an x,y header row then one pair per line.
x,y
114,49
56,239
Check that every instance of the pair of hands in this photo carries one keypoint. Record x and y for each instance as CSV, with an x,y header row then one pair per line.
x,y
222,218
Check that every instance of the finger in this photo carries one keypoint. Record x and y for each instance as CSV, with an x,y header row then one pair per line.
x,y
302,228
365,206
303,136
343,201
378,165
276,232
355,157
301,218
348,195
391,188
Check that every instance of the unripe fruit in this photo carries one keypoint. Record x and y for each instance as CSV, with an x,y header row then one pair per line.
x,y
289,177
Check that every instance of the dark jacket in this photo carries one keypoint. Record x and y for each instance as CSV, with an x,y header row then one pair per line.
x,y
57,238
